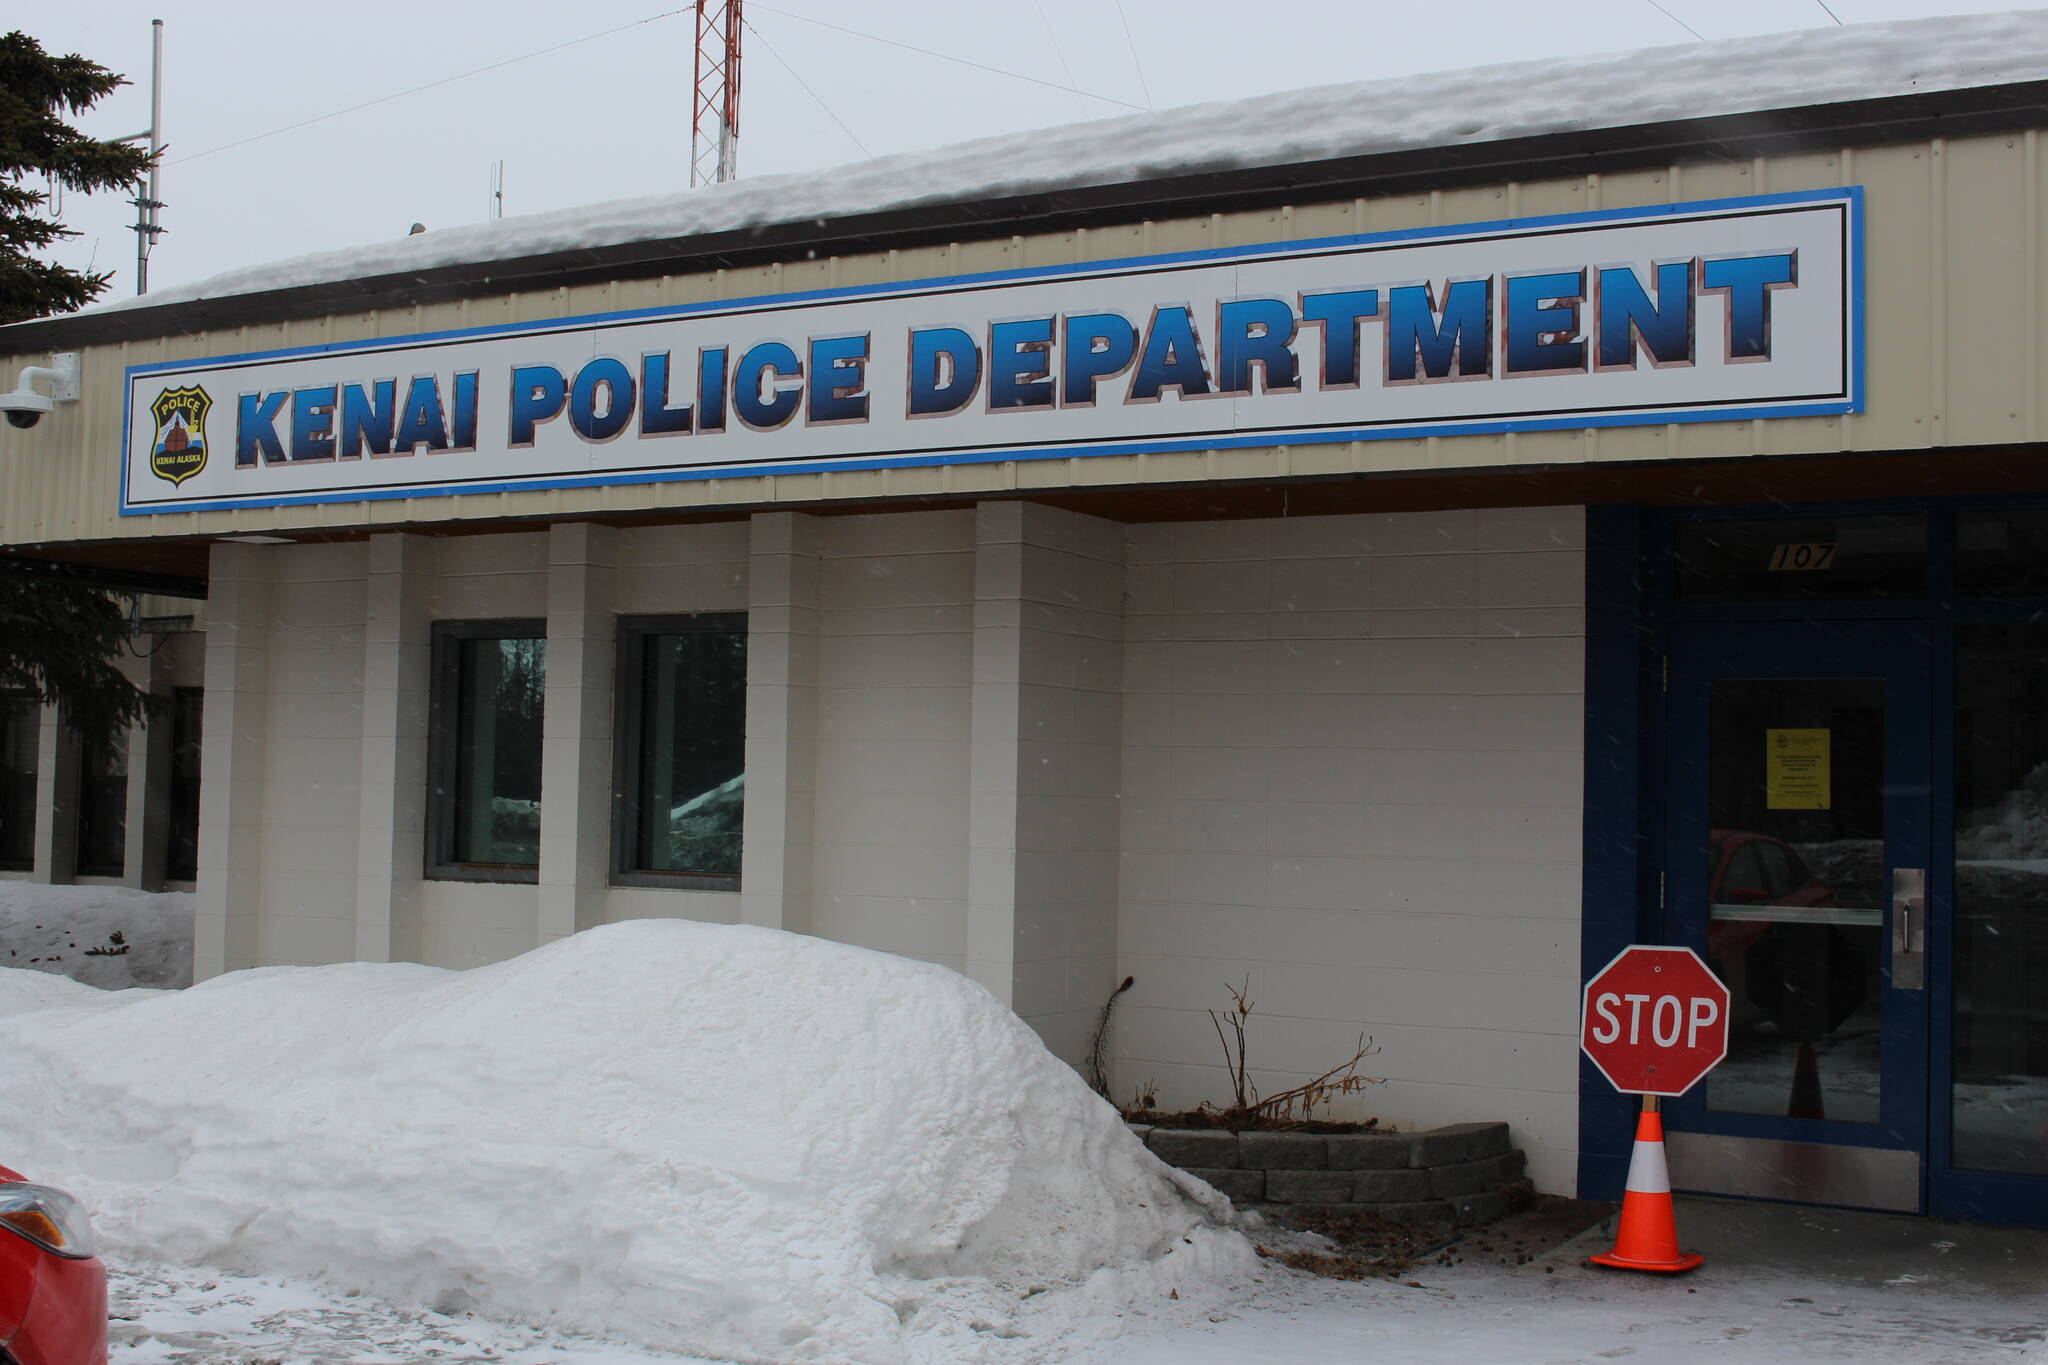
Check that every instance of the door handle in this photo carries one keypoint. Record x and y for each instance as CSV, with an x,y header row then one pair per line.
x,y
1909,928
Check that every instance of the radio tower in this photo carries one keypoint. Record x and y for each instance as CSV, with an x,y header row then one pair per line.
x,y
715,110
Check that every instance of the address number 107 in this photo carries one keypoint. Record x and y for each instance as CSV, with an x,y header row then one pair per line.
x,y
1811,555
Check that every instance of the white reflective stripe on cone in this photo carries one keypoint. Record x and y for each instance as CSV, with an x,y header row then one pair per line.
x,y
1647,1173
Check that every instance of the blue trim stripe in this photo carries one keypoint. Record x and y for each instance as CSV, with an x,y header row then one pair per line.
x,y
1849,196
1497,427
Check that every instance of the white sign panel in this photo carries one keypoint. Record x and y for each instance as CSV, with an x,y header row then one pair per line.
x,y
1694,312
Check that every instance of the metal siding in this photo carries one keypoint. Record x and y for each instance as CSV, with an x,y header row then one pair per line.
x,y
1953,272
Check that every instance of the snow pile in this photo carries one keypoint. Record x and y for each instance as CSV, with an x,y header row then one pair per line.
x,y
2015,829
1520,99
105,936
709,1138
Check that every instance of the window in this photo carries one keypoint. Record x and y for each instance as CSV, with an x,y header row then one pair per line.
x,y
103,809
181,857
483,757
682,751
20,738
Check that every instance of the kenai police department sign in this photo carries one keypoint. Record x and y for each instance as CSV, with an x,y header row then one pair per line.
x,y
1711,311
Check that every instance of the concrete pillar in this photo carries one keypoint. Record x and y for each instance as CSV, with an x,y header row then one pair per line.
x,y
147,831
1042,819
231,792
397,676
782,719
576,737
57,774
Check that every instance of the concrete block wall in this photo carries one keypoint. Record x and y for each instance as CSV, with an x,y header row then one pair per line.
x,y
1351,772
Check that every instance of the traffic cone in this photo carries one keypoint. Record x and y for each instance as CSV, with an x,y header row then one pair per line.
x,y
1648,1237
1806,1102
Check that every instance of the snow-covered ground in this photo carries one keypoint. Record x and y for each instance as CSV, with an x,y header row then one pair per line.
x,y
748,1144
1552,1311
105,936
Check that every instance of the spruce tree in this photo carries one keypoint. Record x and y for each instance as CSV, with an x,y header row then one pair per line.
x,y
57,639
37,93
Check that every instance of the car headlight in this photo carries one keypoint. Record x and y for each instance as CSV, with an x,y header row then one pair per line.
x,y
50,1218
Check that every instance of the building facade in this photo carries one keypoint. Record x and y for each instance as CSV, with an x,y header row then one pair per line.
x,y
1402,579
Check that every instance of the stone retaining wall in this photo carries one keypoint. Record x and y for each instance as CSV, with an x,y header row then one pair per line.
x,y
1465,1173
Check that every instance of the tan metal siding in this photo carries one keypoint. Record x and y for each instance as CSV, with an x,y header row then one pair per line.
x,y
1954,276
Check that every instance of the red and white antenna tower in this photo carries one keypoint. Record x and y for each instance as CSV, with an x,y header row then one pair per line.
x,y
715,110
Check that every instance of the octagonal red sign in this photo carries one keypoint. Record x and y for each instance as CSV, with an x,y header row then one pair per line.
x,y
1655,1020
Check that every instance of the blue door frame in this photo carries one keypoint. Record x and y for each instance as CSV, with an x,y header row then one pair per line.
x,y
1631,630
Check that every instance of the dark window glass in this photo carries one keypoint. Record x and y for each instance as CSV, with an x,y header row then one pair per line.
x,y
485,752
1800,559
683,747
181,856
103,810
2000,1094
2002,554
20,739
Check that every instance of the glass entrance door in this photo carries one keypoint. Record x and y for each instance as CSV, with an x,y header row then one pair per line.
x,y
1799,830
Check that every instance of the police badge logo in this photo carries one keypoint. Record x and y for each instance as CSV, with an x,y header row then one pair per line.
x,y
180,448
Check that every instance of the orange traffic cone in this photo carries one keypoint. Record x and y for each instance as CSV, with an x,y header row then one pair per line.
x,y
1648,1238
1806,1102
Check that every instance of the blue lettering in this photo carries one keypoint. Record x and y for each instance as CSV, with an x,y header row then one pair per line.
x,y
611,378
366,422
538,392
1541,329
424,421
1096,346
465,410
1339,315
657,418
1627,315
839,379
1456,337
1748,282
1256,332
313,424
1172,358
256,428
711,389
769,363
945,371
1020,364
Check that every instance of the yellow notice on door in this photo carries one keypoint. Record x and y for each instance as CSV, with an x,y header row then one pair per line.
x,y
1799,770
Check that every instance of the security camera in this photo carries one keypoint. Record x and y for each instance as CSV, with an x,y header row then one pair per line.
x,y
26,405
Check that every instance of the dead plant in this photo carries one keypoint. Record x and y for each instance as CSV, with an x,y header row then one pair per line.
x,y
1246,1102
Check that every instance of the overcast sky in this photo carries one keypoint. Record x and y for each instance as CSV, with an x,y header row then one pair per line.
x,y
609,117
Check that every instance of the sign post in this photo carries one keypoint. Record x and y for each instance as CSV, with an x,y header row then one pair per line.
x,y
1654,1021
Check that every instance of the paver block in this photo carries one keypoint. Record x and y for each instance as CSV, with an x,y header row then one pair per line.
x,y
1308,1187
1482,1207
1240,1186
1391,1187
1188,1148
1467,1177
1283,1151
1449,1145
1367,1151
1520,1193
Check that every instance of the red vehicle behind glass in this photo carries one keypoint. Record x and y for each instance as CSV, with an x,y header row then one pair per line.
x,y
53,1292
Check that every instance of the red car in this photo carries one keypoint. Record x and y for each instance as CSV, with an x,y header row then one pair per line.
x,y
53,1292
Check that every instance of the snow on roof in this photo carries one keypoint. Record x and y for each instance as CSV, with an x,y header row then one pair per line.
x,y
1514,100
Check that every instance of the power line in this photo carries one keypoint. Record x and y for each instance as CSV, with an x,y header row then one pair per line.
x,y
1830,13
1061,53
1676,20
430,85
1143,84
816,98
946,56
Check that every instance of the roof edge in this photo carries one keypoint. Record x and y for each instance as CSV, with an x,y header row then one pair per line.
x,y
1898,118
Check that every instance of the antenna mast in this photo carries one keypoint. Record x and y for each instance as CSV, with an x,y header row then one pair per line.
x,y
715,108
148,225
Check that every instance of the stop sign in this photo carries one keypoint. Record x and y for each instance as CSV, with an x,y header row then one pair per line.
x,y
1655,1020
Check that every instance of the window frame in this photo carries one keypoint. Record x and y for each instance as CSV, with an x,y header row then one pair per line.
x,y
633,634
443,729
